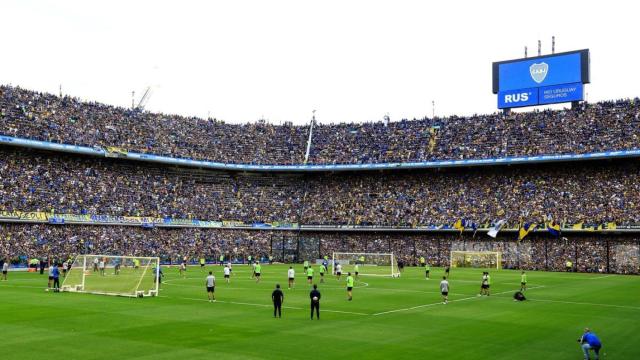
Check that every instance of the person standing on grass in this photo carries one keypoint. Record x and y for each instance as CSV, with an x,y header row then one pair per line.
x,y
211,287
203,262
277,297
56,277
523,281
306,265
356,269
315,296
50,283
183,268
589,341
321,270
291,275
5,269
338,271
444,290
309,275
349,286
427,270
227,274
258,271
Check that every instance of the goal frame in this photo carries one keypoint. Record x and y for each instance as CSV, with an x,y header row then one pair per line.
x,y
137,293
395,272
498,256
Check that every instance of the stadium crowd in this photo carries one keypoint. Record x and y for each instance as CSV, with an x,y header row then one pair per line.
x,y
588,253
32,181
611,125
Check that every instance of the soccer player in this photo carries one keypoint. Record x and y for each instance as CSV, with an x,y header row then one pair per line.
x,y
230,268
446,272
227,274
350,286
589,341
422,261
221,260
325,263
444,290
488,290
427,270
356,269
183,269
202,263
249,260
315,296
306,265
338,271
50,276
101,266
211,287
270,260
64,269
523,281
116,267
253,271
95,264
291,274
309,275
257,270
136,264
321,269
56,277
400,266
569,266
278,299
5,269
483,284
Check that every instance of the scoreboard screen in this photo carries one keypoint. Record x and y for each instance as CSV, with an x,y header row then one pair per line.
x,y
541,80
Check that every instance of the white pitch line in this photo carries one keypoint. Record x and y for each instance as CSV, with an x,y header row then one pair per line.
x,y
265,305
440,303
589,304
599,277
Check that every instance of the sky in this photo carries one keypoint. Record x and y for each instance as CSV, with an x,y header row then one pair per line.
x,y
278,60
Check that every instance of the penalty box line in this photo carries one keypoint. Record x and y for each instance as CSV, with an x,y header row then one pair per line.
x,y
440,302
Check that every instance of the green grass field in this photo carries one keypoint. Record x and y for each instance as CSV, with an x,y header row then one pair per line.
x,y
388,318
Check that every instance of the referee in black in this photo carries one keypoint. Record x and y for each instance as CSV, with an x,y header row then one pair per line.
x,y
314,295
278,298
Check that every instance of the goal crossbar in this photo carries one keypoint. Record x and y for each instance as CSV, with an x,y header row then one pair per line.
x,y
374,264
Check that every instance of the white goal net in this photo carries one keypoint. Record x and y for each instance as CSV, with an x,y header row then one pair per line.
x,y
476,259
113,275
376,264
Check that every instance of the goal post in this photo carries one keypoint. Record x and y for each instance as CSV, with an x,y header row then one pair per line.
x,y
133,276
476,259
369,264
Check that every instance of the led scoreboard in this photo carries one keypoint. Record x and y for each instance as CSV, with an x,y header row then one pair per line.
x,y
541,80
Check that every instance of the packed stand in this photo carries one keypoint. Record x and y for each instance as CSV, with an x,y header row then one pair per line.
x,y
20,242
611,125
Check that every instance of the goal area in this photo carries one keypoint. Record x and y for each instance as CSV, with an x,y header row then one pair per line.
x,y
369,264
476,259
133,276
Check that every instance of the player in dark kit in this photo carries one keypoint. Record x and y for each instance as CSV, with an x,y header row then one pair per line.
x,y
278,298
314,295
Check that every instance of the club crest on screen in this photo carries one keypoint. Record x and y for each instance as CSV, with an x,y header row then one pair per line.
x,y
538,71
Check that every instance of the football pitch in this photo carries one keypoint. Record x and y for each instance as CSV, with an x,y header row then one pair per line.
x,y
388,318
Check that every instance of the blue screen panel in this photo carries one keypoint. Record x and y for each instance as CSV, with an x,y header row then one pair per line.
x,y
517,98
553,70
561,93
